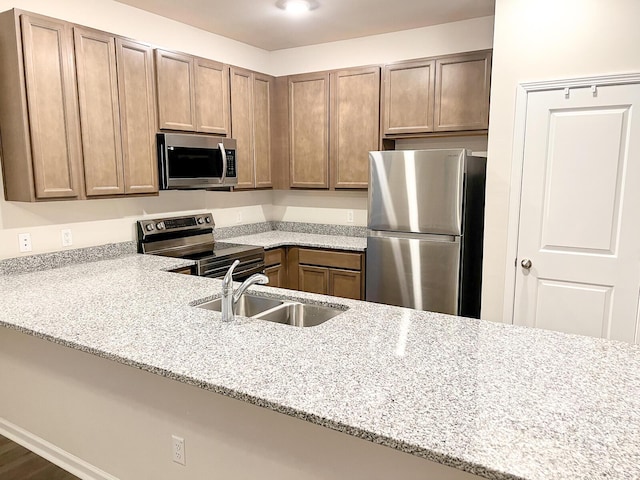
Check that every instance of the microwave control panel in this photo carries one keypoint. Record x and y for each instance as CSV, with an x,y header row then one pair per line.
x,y
231,163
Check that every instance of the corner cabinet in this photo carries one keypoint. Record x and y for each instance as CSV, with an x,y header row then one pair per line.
x,y
333,124
444,94
193,93
39,120
251,127
328,272
355,125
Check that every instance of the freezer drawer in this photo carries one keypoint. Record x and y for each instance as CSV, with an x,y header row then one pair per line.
x,y
417,191
415,273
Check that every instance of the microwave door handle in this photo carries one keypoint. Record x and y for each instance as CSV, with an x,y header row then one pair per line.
x,y
224,162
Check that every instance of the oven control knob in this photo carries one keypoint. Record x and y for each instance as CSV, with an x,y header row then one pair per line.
x,y
200,220
149,227
207,219
160,226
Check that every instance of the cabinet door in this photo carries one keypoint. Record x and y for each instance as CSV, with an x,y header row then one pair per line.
x,y
138,116
242,125
277,277
355,124
462,92
262,90
309,130
212,97
345,283
176,91
313,279
409,97
99,112
53,107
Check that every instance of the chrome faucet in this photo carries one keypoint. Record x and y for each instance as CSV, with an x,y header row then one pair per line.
x,y
229,298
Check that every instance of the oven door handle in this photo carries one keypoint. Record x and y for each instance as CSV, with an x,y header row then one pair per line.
x,y
224,162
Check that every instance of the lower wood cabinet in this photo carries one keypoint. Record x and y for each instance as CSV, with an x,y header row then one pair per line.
x,y
276,267
328,272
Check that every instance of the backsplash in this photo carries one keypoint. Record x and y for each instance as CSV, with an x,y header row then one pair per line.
x,y
46,261
298,227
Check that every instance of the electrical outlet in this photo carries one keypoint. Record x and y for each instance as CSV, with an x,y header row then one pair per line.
x,y
239,217
24,240
67,239
177,444
349,216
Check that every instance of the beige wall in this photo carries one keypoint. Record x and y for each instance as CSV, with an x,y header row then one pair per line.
x,y
543,40
95,222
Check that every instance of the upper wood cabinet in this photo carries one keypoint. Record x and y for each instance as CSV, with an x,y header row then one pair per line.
x,y
409,96
334,121
137,98
99,112
462,92
176,91
309,130
263,86
38,109
193,93
77,112
212,97
115,91
355,125
251,127
436,95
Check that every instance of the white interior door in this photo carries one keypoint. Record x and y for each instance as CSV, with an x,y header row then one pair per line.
x,y
580,213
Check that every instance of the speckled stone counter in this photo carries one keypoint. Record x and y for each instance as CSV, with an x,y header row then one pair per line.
x,y
278,238
500,401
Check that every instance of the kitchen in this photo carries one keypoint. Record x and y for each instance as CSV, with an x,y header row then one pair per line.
x,y
518,28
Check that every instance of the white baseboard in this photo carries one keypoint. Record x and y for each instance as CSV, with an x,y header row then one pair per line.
x,y
53,454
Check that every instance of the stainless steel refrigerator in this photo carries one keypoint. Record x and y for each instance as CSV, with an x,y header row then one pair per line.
x,y
425,230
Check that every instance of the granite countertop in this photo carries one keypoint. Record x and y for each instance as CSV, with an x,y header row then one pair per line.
x,y
499,401
279,238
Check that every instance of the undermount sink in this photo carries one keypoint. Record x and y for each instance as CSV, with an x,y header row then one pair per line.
x,y
287,312
247,306
299,314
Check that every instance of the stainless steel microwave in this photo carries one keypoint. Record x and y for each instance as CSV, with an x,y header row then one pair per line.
x,y
190,161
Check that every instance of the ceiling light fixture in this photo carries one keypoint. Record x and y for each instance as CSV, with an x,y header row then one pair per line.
x,y
297,7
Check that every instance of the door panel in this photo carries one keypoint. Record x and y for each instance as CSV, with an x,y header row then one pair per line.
x,y
99,112
176,91
242,126
418,192
212,97
309,130
414,273
587,218
53,108
578,213
313,279
262,91
573,307
137,107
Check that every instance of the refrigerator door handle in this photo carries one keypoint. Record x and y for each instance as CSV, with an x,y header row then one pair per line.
x,y
417,236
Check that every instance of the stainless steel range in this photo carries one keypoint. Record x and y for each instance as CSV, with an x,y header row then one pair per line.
x,y
192,237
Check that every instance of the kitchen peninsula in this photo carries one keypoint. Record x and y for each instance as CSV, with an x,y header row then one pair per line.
x,y
108,373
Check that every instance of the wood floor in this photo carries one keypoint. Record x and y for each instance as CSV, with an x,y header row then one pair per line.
x,y
18,463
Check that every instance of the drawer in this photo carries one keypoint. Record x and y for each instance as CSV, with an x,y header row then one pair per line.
x,y
326,258
274,256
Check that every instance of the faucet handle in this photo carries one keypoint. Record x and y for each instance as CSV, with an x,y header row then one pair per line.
x,y
228,278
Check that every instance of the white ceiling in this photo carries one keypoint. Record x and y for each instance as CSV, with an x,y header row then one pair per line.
x,y
262,24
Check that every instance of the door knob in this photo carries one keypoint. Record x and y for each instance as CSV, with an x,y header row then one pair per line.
x,y
526,263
